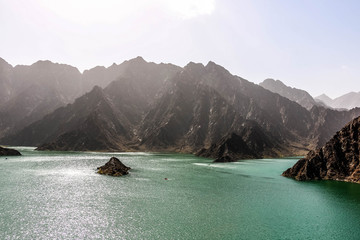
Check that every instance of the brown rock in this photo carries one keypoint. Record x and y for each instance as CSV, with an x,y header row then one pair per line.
x,y
337,160
114,167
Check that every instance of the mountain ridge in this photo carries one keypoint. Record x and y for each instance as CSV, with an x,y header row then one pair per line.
x,y
199,109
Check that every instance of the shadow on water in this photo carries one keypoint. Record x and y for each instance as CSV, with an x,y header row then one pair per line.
x,y
343,190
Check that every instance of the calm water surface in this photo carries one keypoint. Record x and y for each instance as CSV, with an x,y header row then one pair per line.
x,y
58,195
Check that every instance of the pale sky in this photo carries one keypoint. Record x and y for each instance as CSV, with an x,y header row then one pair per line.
x,y
309,44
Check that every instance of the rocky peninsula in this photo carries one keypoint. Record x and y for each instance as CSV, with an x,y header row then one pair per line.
x,y
337,160
9,152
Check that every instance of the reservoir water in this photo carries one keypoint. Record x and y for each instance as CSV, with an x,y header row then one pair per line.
x,y
59,195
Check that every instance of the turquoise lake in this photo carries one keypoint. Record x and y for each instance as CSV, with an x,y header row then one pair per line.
x,y
59,195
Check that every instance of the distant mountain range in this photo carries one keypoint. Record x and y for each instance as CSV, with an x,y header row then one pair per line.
x,y
297,95
142,106
347,101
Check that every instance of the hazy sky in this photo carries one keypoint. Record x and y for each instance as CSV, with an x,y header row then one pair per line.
x,y
309,44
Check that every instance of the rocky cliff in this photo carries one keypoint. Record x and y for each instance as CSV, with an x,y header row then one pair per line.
x,y
337,160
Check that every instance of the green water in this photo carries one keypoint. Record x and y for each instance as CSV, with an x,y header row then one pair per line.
x,y
58,195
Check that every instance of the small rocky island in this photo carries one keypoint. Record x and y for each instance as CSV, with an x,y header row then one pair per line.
x,y
9,152
337,160
114,167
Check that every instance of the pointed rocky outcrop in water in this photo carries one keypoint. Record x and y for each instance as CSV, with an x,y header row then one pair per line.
x,y
9,152
337,160
114,167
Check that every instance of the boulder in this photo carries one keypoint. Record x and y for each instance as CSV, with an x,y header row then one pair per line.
x,y
114,167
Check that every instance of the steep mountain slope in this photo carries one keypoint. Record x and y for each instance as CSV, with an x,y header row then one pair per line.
x,y
120,105
6,88
205,103
37,90
136,67
28,93
77,122
297,95
349,100
327,122
196,109
337,160
323,98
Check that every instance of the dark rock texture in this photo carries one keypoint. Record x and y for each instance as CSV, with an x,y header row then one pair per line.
x,y
337,160
114,167
9,152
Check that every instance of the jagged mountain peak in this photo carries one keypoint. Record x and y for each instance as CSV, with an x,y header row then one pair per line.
x,y
212,66
323,96
47,64
191,66
297,95
137,60
273,81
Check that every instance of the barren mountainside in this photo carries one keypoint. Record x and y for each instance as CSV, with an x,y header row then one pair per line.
x,y
297,95
196,109
338,159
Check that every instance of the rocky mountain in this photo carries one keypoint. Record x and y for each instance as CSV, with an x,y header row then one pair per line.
x,y
103,119
35,91
28,93
196,109
323,98
346,101
297,95
202,104
337,160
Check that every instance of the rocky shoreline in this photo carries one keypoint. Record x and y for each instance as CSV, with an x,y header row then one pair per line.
x,y
114,167
337,160
9,152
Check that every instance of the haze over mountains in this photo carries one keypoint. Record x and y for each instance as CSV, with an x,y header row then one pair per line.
x,y
142,106
297,95
347,101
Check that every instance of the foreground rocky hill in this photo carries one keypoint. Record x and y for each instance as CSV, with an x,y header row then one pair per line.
x,y
338,160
